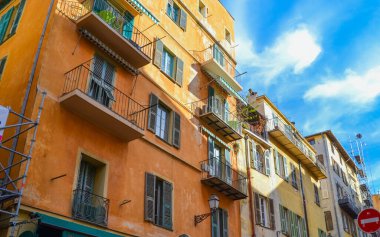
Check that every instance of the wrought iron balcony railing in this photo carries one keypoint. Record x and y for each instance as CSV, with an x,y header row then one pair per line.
x,y
349,205
112,17
220,175
82,78
90,207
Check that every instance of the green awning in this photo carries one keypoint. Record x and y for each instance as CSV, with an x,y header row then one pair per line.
x,y
74,227
229,89
210,134
140,8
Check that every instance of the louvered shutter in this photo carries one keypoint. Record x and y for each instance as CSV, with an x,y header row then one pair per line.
x,y
226,111
252,154
167,205
214,224
152,117
304,228
225,223
228,166
211,94
4,21
329,221
211,157
292,224
267,162
150,185
286,172
271,211
170,8
183,20
17,17
277,162
2,65
158,53
179,72
176,130
257,208
282,218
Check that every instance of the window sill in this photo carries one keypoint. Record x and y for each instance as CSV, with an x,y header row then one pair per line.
x,y
266,227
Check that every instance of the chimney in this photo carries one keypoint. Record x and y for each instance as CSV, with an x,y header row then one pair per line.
x,y
251,96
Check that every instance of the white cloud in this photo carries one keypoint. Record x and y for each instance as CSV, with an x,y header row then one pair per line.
x,y
293,51
353,88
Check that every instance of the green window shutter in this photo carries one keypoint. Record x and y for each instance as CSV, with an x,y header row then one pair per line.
x,y
179,72
183,20
167,205
150,186
176,130
304,229
214,224
228,166
225,223
158,54
271,212
286,172
257,208
4,21
292,224
277,162
17,17
211,158
267,162
282,217
152,116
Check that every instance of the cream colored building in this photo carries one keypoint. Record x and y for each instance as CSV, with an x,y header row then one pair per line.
x,y
341,191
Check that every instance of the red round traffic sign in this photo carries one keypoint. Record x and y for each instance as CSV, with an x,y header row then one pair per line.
x,y
369,220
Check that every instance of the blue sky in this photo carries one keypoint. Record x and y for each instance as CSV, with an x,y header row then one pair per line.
x,y
318,61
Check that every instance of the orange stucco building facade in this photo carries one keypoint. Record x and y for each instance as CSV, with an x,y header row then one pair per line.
x,y
136,131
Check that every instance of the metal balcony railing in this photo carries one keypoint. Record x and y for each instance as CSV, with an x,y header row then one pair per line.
x,y
216,168
112,17
349,205
90,207
276,123
82,78
257,130
217,107
214,52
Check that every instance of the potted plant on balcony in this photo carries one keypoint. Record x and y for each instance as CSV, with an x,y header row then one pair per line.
x,y
107,16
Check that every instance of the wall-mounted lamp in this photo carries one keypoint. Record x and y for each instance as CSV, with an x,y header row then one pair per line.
x,y
213,201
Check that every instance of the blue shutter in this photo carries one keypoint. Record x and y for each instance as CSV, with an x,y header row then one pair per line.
x,y
17,18
4,21
214,224
225,223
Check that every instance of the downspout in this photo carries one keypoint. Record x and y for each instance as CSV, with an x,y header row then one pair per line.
x,y
30,83
303,199
331,183
249,186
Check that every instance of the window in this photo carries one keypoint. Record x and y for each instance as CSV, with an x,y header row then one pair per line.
x,y
88,203
202,9
2,65
312,141
158,201
281,165
291,223
316,195
329,221
332,147
175,13
293,174
264,211
321,233
260,158
166,124
227,36
10,20
219,223
168,63
219,161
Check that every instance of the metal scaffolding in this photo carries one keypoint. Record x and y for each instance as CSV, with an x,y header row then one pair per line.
x,y
15,160
357,151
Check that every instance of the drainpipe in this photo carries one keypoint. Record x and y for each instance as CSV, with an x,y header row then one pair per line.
x,y
30,82
331,183
303,199
249,186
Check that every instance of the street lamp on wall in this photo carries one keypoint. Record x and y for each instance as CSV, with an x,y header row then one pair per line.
x,y
213,202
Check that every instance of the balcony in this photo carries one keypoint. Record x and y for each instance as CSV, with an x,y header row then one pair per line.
x,y
223,178
217,64
349,206
111,29
285,136
90,207
91,97
215,115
